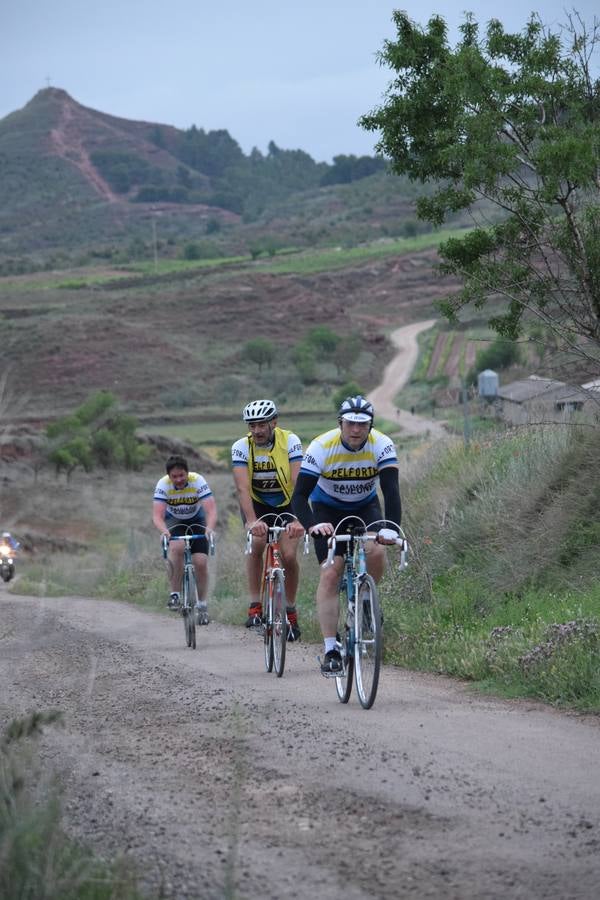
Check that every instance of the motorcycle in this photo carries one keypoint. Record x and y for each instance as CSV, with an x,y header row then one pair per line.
x,y
7,565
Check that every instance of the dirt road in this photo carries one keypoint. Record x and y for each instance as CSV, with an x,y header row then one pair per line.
x,y
222,781
395,376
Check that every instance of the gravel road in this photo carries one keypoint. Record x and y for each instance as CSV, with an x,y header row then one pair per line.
x,y
220,780
396,374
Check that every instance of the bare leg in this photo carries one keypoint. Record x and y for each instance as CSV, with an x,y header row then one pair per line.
x,y
254,564
289,548
327,598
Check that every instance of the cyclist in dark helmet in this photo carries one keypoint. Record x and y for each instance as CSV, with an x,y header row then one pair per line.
x,y
265,466
339,476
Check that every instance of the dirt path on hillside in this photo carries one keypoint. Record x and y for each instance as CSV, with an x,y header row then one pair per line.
x,y
395,376
219,780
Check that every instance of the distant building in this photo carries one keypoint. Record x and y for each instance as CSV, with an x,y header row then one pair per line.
x,y
536,399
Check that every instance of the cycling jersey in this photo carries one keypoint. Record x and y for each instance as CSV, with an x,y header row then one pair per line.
x,y
347,479
186,502
269,474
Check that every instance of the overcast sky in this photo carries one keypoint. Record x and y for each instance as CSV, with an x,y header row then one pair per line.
x,y
298,73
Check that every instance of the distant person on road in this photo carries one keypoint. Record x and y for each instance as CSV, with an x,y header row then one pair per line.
x,y
183,499
339,476
265,467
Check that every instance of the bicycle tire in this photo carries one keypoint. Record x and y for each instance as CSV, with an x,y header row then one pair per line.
x,y
369,641
190,594
279,628
267,613
343,683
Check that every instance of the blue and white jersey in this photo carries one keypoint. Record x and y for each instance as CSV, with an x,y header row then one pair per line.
x,y
347,478
186,502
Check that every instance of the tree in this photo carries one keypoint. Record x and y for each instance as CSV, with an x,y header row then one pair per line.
x,y
95,434
259,350
507,124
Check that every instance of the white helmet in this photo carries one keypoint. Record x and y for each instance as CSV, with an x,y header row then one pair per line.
x,y
259,411
356,409
6,534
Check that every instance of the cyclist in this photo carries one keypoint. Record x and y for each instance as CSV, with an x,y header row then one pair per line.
x,y
265,467
182,499
339,474
11,542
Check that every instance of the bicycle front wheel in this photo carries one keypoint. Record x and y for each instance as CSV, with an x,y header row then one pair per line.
x,y
279,630
343,682
267,611
368,641
190,595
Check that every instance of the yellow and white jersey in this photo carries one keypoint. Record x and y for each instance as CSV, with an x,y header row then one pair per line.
x,y
347,478
186,502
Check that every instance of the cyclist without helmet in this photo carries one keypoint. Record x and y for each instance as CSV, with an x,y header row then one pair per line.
x,y
183,499
339,475
265,467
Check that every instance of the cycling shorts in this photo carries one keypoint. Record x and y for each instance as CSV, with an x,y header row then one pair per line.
x,y
272,514
195,525
368,513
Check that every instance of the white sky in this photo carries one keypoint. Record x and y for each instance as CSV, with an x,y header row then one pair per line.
x,y
297,73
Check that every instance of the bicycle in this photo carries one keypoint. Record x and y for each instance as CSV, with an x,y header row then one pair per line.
x,y
360,621
274,624
189,587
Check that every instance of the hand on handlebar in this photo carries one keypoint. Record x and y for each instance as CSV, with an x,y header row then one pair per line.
x,y
294,529
386,536
323,529
257,528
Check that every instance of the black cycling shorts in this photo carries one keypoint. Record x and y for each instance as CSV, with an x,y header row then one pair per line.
x,y
271,513
368,513
196,525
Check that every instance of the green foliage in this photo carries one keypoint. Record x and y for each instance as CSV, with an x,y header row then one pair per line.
x,y
501,354
259,350
323,339
96,434
305,359
349,389
508,119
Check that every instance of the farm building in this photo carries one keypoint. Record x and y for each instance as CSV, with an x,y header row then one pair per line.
x,y
536,399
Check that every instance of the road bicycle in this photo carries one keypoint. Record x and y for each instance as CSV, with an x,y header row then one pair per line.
x,y
274,623
360,621
189,587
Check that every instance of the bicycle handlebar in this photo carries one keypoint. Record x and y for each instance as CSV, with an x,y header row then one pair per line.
x,y
364,538
272,535
188,538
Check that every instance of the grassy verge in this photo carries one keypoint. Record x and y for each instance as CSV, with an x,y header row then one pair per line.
x,y
38,859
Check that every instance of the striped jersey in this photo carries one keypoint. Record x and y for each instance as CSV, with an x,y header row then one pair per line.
x,y
347,478
186,502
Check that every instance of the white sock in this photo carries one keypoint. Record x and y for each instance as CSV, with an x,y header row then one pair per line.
x,y
201,604
330,644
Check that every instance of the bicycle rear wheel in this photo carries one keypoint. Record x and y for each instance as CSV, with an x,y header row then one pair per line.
x,y
267,612
368,642
279,629
343,683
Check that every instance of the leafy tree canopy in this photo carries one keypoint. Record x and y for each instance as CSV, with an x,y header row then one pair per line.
x,y
512,120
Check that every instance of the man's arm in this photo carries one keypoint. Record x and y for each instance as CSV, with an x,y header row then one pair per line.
x,y
240,478
209,505
159,509
305,484
390,488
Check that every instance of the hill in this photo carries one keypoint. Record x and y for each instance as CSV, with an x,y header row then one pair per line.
x,y
79,182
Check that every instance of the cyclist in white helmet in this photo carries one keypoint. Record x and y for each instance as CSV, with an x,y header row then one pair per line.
x,y
340,473
265,467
